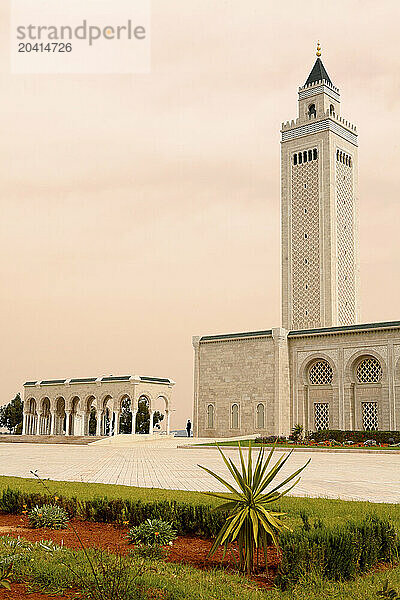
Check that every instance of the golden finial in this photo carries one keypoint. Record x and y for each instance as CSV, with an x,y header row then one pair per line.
x,y
318,49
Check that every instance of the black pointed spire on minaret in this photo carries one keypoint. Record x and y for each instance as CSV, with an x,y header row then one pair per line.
x,y
318,72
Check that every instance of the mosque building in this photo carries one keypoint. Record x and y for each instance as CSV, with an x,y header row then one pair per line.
x,y
322,368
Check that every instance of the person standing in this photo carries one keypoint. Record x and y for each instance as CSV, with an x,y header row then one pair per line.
x,y
188,427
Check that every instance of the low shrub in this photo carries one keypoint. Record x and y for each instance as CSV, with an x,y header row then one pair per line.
x,y
153,532
48,515
271,439
336,554
190,519
358,437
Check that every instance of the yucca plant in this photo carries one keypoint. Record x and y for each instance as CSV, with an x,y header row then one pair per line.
x,y
251,522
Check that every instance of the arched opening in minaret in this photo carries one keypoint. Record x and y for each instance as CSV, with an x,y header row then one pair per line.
x,y
331,109
312,111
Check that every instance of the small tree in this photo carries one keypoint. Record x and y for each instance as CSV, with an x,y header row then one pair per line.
x,y
126,417
92,421
11,415
143,417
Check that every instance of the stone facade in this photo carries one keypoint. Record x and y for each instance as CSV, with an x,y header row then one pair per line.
x,y
322,370
339,378
63,406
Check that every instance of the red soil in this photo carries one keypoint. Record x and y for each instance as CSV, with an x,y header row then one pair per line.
x,y
188,550
20,592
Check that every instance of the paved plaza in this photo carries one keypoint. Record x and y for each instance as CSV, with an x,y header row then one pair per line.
x,y
347,475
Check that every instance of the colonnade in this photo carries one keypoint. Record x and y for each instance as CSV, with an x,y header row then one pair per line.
x,y
53,418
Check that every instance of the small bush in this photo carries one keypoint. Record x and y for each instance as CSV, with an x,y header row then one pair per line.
x,y
11,502
190,519
358,437
153,532
48,515
271,439
336,554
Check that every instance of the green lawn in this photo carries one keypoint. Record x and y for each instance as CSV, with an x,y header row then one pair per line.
x,y
86,491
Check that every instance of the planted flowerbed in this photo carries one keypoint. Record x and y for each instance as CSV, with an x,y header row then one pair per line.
x,y
333,553
188,550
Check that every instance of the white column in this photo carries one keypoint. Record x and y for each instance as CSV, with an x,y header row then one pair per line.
x,y
67,422
24,424
98,424
151,422
53,423
83,426
28,424
134,413
116,423
77,420
35,424
168,421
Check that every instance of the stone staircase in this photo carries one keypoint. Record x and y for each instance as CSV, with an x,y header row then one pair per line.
x,y
50,439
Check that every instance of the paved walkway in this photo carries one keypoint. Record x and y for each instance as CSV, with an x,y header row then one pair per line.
x,y
347,475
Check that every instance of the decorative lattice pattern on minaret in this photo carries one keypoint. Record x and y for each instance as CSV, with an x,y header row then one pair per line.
x,y
346,284
305,245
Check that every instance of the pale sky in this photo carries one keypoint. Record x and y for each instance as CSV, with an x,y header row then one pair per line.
x,y
139,210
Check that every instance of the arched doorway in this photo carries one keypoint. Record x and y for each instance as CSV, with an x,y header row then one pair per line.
x,y
107,418
31,417
91,416
92,425
126,421
45,418
60,417
143,415
161,416
75,427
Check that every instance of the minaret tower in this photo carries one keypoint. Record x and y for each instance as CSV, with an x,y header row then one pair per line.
x,y
318,199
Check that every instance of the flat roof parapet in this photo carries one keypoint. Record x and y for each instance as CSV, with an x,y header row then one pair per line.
x,y
155,379
245,334
346,328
